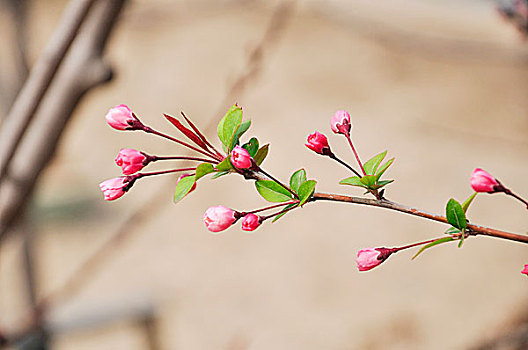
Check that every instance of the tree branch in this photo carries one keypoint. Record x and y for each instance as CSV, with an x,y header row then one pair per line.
x,y
82,69
29,98
472,228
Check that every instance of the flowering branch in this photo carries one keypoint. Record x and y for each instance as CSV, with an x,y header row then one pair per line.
x,y
246,160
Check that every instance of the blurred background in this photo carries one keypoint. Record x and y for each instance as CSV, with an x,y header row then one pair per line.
x,y
441,85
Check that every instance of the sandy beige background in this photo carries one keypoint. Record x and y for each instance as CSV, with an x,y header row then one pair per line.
x,y
441,86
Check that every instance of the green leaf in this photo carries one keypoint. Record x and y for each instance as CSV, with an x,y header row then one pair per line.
x,y
228,125
225,165
461,241
455,214
183,187
262,153
220,128
297,179
203,169
252,146
368,180
306,191
352,181
284,213
380,184
372,164
452,231
272,191
220,173
384,167
241,129
432,244
468,201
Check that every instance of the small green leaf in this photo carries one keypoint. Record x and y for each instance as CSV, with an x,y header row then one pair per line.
x,y
468,201
432,244
203,169
242,128
452,231
455,214
306,191
384,167
352,181
262,153
225,165
251,146
220,173
228,125
272,191
380,184
183,187
284,212
297,179
461,241
372,164
368,180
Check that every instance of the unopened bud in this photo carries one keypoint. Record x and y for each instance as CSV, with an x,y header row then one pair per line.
x,y
318,143
340,123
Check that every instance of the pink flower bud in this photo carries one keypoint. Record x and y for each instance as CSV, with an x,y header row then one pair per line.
x,y
318,143
340,123
121,118
185,175
482,181
114,188
250,222
241,158
525,270
369,258
131,160
219,218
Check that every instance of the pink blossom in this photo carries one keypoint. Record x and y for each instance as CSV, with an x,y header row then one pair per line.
x,y
114,188
340,123
250,222
525,270
482,181
318,143
130,160
241,158
219,218
121,118
185,175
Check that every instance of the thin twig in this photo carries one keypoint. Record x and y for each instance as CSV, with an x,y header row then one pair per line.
x,y
475,229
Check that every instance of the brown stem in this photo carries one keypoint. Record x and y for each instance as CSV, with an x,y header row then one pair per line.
x,y
475,229
268,208
266,217
156,158
510,193
334,157
347,135
140,175
415,244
